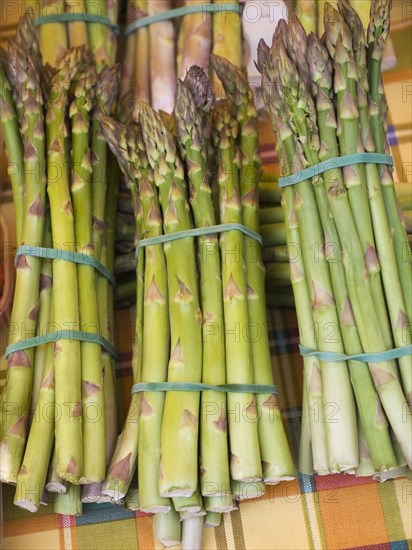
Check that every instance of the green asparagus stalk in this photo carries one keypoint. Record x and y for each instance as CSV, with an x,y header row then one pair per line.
x,y
193,102
274,449
33,472
374,424
98,34
213,519
312,367
14,146
156,334
377,35
69,503
383,234
53,34
220,504
45,296
178,476
335,379
17,392
69,445
91,356
245,462
122,143
167,528
338,40
55,484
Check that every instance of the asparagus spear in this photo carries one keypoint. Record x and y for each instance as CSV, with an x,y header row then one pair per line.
x,y
122,143
193,102
178,474
196,42
374,424
162,58
377,35
312,367
77,30
338,41
312,214
16,394
245,462
142,56
69,447
98,34
274,449
14,145
52,35
91,356
227,38
156,334
33,472
383,234
305,10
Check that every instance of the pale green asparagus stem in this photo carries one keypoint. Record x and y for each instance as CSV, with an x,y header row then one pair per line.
x,y
91,357
178,473
377,35
193,102
17,392
245,461
276,458
69,444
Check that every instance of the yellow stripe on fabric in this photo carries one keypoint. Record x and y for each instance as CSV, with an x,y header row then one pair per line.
x,y
404,493
116,535
389,501
313,517
49,540
278,524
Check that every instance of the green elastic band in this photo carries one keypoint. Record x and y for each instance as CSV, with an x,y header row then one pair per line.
x,y
364,357
197,387
66,255
199,232
180,12
331,164
70,17
63,335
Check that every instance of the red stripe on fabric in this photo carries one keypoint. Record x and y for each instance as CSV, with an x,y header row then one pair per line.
x,y
333,481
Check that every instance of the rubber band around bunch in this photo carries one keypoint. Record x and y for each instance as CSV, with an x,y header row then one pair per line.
x,y
71,17
181,12
83,336
195,386
200,387
198,232
332,164
313,172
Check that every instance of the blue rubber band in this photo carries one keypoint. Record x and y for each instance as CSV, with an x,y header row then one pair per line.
x,y
198,387
180,12
71,17
379,357
199,232
90,337
332,164
75,257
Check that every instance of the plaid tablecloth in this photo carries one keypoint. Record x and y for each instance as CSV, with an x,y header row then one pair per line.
x,y
330,512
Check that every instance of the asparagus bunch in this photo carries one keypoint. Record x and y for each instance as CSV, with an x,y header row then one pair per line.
x,y
49,118
347,209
